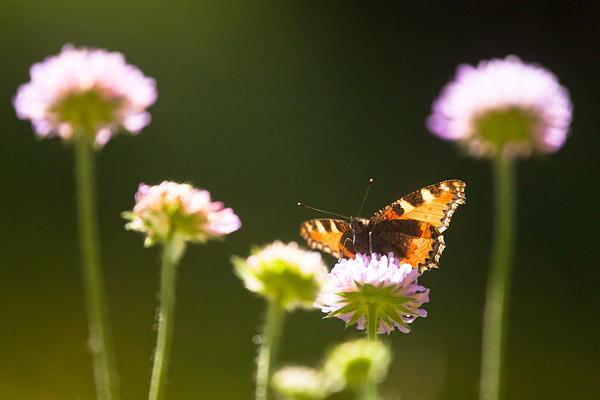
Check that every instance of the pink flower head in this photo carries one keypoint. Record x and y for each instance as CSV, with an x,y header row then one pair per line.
x,y
85,89
503,105
353,286
284,273
171,208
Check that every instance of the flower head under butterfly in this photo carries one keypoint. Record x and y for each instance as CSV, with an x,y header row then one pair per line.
x,y
354,286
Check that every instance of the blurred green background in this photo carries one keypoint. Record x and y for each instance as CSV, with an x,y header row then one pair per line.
x,y
268,103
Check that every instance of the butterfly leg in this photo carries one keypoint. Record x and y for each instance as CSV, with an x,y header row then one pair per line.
x,y
344,248
370,243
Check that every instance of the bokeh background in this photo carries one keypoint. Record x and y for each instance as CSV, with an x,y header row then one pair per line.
x,y
268,103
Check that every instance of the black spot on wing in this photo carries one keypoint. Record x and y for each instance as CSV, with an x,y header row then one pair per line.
x,y
326,225
415,199
435,190
397,208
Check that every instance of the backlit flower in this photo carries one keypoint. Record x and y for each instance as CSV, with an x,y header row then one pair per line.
x,y
300,383
284,273
355,286
350,364
503,105
85,90
178,209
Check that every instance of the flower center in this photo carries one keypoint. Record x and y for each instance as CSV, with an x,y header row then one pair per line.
x,y
87,109
502,126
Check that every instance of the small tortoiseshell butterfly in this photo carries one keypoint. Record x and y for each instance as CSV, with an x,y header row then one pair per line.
x,y
411,228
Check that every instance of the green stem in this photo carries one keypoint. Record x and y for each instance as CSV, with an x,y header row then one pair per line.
x,y
172,252
498,290
372,337
100,342
268,349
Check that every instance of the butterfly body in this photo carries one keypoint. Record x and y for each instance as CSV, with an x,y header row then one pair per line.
x,y
410,227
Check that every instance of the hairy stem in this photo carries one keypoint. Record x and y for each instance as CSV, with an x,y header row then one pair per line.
x,y
372,328
172,252
268,349
100,343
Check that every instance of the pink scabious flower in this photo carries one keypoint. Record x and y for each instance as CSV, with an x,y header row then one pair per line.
x,y
178,209
85,89
354,286
503,106
284,273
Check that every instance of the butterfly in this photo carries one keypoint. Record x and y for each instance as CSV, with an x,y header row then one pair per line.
x,y
410,227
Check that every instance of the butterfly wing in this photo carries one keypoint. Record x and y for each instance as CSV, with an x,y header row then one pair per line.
x,y
411,227
329,235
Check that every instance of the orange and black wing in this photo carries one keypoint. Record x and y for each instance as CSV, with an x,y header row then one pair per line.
x,y
411,227
332,236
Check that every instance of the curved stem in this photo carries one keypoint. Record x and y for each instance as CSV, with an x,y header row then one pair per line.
x,y
170,255
372,328
268,349
498,290
100,342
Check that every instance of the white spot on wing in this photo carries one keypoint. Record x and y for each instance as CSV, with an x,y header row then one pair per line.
x,y
427,196
406,206
334,228
319,225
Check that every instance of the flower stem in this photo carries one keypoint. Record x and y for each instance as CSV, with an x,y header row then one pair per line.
x,y
172,252
100,343
372,328
498,290
268,348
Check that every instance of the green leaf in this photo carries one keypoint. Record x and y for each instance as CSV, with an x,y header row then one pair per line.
x,y
354,318
396,318
398,300
346,309
128,215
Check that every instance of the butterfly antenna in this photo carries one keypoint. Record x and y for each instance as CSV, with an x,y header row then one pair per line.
x,y
365,198
323,211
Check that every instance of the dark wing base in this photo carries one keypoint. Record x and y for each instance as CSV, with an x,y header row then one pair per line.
x,y
417,243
